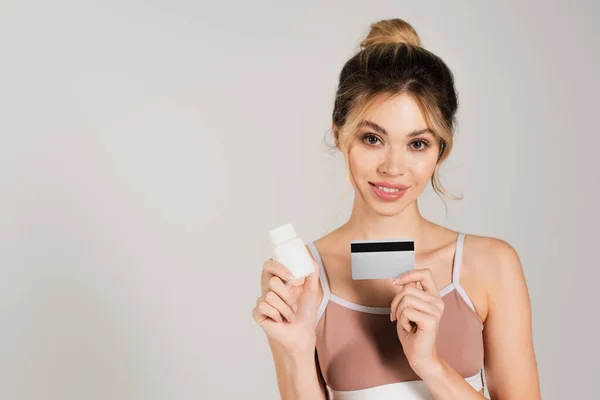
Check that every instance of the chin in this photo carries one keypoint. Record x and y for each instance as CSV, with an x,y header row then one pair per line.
x,y
388,213
388,209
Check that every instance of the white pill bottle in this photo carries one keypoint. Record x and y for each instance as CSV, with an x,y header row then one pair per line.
x,y
289,250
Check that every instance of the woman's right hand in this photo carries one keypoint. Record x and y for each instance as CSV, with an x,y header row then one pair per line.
x,y
288,313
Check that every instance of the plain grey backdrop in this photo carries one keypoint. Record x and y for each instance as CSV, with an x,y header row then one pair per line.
x,y
147,148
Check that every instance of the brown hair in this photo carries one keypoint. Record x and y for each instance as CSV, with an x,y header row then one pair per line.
x,y
392,61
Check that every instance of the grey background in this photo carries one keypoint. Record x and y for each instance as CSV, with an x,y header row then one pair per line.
x,y
147,148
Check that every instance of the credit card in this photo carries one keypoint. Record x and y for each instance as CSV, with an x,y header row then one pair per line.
x,y
381,259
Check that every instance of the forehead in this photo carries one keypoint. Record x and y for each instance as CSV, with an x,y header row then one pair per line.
x,y
398,114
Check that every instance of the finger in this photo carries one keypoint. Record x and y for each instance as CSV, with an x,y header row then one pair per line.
x,y
312,281
424,321
284,291
397,298
418,304
272,267
267,310
423,276
261,318
277,303
411,284
418,293
404,322
296,283
258,316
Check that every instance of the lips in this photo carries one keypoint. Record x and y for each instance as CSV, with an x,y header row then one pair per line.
x,y
389,185
388,196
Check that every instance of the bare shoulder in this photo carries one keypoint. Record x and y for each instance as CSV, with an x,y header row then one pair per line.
x,y
489,265
490,257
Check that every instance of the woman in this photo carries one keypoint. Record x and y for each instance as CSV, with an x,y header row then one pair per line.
x,y
424,334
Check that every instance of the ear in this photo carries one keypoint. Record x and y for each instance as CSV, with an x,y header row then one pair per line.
x,y
336,135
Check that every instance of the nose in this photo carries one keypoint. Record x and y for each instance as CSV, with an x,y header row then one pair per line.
x,y
394,163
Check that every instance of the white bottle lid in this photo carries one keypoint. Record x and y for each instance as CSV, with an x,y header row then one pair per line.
x,y
282,234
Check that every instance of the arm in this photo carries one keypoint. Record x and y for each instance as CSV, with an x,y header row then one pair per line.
x,y
510,365
418,313
445,383
298,376
292,340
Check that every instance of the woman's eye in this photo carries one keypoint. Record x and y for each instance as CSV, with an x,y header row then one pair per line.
x,y
370,139
420,145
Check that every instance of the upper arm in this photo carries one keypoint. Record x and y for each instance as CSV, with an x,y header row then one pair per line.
x,y
510,364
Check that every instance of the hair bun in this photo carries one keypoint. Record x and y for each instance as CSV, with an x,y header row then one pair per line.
x,y
393,30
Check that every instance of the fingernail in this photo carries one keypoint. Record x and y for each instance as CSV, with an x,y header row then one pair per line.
x,y
295,307
292,318
289,276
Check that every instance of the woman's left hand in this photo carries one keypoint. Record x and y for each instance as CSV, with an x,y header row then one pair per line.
x,y
418,312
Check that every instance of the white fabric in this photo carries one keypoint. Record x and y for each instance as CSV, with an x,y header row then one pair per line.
x,y
323,280
411,390
456,270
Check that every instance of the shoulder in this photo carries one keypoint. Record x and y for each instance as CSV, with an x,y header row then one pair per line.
x,y
491,271
491,258
510,357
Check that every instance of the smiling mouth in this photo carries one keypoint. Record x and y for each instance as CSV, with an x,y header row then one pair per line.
x,y
389,193
386,189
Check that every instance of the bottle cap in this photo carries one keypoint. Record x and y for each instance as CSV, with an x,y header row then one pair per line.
x,y
282,234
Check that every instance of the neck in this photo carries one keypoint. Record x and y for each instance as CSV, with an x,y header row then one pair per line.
x,y
365,224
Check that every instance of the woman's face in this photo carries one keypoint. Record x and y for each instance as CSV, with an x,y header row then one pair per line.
x,y
393,147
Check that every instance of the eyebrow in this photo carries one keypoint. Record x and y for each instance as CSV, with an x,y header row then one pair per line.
x,y
382,131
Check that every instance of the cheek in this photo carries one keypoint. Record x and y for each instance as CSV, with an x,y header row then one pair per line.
x,y
361,160
422,166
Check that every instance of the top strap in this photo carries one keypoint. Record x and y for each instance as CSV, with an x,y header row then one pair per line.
x,y
456,270
458,258
322,279
322,274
